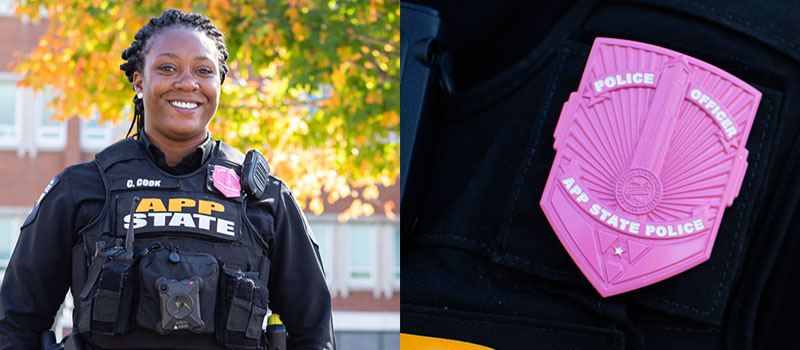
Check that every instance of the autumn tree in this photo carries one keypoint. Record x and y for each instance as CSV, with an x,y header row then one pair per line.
x,y
313,83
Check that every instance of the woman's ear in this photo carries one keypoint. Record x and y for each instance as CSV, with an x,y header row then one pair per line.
x,y
137,82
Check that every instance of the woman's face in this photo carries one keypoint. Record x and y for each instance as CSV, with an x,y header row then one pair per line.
x,y
180,81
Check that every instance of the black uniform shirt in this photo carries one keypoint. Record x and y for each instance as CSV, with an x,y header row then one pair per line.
x,y
39,272
190,163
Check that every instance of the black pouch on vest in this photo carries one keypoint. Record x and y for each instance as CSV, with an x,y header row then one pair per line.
x,y
177,291
243,306
106,303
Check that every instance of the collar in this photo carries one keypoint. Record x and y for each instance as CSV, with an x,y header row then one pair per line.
x,y
188,164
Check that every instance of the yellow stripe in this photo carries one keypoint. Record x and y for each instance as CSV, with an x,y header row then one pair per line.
x,y
418,342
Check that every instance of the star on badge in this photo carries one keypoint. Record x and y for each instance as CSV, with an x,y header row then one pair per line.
x,y
618,251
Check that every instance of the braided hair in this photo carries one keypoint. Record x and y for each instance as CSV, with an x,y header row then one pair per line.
x,y
134,55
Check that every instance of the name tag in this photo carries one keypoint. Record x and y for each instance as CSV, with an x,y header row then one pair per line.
x,y
134,183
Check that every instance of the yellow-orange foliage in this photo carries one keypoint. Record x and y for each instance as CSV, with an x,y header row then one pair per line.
x,y
314,84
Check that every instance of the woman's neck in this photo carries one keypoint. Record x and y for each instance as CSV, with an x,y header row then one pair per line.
x,y
176,150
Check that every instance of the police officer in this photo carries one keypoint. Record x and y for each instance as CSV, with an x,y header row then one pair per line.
x,y
169,239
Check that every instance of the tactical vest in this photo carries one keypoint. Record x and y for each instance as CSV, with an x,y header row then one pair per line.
x,y
191,274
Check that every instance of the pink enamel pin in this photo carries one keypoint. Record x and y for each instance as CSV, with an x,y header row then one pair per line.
x,y
226,181
650,152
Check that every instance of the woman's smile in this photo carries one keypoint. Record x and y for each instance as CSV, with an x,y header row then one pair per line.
x,y
184,105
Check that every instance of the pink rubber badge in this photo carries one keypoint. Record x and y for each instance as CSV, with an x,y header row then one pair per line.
x,y
650,152
226,181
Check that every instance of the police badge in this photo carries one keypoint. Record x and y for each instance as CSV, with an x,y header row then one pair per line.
x,y
650,150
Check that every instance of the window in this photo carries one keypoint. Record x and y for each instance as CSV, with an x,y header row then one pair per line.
x,y
6,8
362,255
8,239
9,118
50,133
324,234
95,136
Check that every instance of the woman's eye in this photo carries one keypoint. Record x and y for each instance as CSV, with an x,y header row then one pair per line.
x,y
205,71
166,68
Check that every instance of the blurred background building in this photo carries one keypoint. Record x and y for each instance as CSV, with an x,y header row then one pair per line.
x,y
361,256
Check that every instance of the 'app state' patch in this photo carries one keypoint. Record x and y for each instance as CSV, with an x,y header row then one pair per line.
x,y
183,214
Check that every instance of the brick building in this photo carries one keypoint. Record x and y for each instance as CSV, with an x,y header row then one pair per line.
x,y
361,257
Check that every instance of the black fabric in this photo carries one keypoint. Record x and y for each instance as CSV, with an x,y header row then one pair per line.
x,y
420,70
243,306
188,164
49,258
112,305
483,250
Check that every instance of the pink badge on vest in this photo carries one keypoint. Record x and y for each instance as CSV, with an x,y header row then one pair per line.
x,y
650,152
226,181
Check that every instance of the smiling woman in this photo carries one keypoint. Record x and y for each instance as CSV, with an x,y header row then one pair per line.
x,y
175,240
176,65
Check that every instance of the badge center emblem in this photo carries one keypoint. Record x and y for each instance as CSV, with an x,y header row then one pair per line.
x,y
638,191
